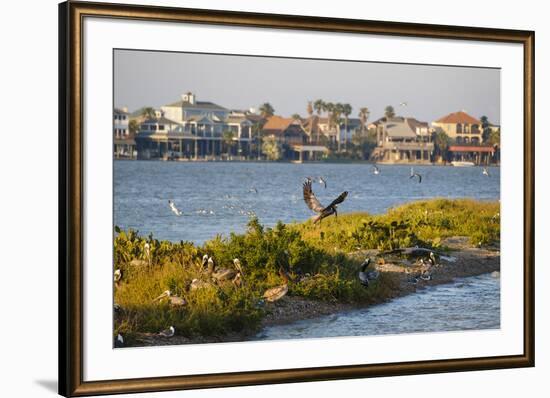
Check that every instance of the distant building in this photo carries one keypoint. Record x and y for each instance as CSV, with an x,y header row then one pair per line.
x,y
298,145
461,127
402,140
191,129
123,141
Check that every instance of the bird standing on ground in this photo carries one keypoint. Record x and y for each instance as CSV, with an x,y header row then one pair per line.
x,y
174,208
415,174
119,341
278,292
117,275
363,278
168,332
174,300
313,203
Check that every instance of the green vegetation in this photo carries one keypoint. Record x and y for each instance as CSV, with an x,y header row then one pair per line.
x,y
315,258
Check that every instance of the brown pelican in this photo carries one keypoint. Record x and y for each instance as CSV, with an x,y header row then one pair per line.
x,y
117,275
238,265
174,300
147,251
204,260
313,203
198,284
238,279
276,293
174,208
320,180
168,332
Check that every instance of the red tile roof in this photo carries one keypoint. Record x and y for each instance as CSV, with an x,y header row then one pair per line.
x,y
277,123
458,117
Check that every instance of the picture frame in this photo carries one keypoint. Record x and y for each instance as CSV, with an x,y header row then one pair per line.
x,y
72,206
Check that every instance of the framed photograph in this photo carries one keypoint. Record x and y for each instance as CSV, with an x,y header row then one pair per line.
x,y
254,199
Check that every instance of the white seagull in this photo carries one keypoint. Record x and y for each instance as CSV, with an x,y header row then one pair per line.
x,y
174,208
486,172
375,169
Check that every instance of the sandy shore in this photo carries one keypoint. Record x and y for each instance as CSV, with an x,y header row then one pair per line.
x,y
469,261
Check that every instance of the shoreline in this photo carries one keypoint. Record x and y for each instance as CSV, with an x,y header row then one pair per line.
x,y
470,261
366,162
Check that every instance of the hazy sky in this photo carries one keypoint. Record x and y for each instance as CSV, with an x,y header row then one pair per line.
x,y
240,82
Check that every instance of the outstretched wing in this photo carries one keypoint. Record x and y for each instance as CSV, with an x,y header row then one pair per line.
x,y
309,197
339,199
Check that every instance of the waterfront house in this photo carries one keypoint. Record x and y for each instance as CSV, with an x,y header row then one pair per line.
x,y
461,127
402,140
123,141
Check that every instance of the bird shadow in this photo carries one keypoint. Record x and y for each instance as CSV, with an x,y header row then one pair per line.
x,y
50,385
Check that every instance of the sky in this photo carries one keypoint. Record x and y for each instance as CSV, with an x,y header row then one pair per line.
x,y
145,78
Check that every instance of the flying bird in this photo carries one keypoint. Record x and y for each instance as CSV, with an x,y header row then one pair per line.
x,y
168,332
403,104
375,170
486,172
313,203
320,180
415,174
174,208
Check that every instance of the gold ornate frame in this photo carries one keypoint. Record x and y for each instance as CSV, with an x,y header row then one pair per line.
x,y
71,15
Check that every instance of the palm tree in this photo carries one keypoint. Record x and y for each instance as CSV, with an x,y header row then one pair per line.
x,y
319,106
133,126
363,117
272,149
266,110
228,140
328,107
148,113
441,143
485,129
389,112
346,110
337,120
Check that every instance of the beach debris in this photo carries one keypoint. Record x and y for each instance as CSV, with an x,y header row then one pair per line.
x,y
167,332
119,341
174,208
174,301
313,203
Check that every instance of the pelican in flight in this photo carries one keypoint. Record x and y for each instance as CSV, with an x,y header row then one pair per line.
x,y
486,172
313,203
375,170
415,174
174,300
174,208
168,332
